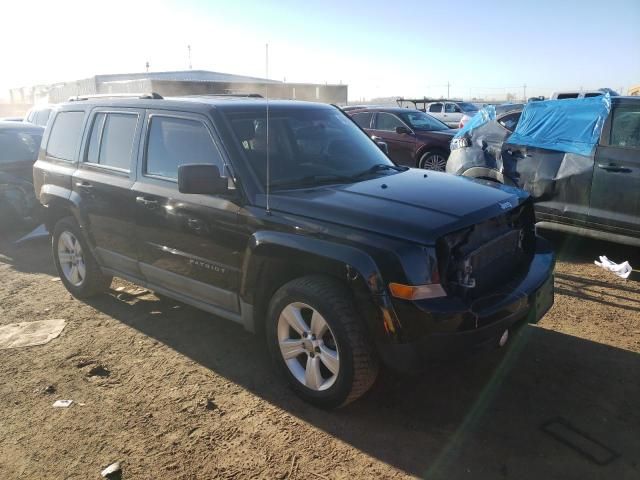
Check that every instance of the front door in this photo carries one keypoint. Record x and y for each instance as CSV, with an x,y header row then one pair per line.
x,y
189,245
103,181
615,194
401,146
452,114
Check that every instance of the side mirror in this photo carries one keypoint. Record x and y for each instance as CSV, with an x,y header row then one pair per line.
x,y
400,130
383,146
201,178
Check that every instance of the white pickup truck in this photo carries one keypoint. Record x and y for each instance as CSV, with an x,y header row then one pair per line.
x,y
451,112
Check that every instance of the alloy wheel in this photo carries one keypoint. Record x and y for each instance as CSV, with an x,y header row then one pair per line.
x,y
434,162
71,259
308,346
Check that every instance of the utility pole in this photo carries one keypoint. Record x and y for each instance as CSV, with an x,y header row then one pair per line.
x,y
448,85
147,65
189,48
524,93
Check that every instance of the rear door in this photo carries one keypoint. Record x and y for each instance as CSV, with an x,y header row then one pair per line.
x,y
401,146
615,194
103,182
189,245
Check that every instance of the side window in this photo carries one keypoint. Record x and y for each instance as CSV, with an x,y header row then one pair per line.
x,y
451,108
177,141
65,135
42,117
112,138
435,108
625,127
388,122
363,119
510,121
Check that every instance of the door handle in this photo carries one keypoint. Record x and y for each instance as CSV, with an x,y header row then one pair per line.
x,y
146,202
613,168
84,185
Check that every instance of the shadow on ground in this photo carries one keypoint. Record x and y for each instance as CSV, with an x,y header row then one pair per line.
x,y
481,416
477,418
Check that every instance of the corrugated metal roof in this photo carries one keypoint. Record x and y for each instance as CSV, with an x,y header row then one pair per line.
x,y
182,75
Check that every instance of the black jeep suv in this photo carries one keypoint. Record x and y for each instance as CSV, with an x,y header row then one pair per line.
x,y
287,218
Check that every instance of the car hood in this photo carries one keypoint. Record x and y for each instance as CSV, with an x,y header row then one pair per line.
x,y
415,205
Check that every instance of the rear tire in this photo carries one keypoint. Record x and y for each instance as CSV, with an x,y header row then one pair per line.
x,y
318,341
76,265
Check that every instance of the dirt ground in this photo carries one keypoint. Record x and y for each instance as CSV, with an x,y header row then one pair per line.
x,y
172,392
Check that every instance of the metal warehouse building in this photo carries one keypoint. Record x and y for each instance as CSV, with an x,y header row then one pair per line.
x,y
188,82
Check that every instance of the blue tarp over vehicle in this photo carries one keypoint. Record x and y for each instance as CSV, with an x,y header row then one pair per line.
x,y
571,126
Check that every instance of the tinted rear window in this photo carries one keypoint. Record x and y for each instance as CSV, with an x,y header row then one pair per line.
x,y
65,135
435,108
363,119
112,138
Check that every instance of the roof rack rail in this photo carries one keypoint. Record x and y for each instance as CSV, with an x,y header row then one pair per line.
x,y
237,95
145,96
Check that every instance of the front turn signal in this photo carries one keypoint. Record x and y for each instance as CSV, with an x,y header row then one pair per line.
x,y
417,292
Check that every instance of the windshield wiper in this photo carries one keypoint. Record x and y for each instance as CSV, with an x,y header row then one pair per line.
x,y
312,180
379,167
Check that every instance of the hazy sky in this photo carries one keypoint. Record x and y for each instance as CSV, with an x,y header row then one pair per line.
x,y
482,47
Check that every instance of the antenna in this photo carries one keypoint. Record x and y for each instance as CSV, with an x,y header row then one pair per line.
x,y
189,48
266,91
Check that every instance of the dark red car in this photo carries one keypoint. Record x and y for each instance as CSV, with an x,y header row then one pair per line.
x,y
413,138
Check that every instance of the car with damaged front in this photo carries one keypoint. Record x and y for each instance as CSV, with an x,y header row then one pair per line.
x,y
578,158
286,218
19,145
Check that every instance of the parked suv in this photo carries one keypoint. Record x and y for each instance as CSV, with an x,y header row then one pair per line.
x,y
451,112
579,159
286,218
412,137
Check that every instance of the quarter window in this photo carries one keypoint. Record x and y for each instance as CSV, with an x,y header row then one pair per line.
x,y
178,141
65,135
435,108
388,122
625,128
111,140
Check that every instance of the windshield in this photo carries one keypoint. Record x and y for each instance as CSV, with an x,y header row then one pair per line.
x,y
422,122
307,146
467,107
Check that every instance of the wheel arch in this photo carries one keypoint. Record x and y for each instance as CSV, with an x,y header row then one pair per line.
x,y
488,173
275,258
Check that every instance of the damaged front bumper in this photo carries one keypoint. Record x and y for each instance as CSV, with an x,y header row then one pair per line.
x,y
448,328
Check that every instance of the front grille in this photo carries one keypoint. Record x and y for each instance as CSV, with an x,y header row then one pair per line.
x,y
488,255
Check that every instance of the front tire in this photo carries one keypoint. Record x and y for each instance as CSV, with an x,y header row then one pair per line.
x,y
76,265
435,160
319,343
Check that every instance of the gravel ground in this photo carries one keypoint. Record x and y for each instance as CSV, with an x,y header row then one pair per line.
x,y
172,392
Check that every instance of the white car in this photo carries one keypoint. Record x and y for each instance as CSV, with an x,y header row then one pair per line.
x,y
451,112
